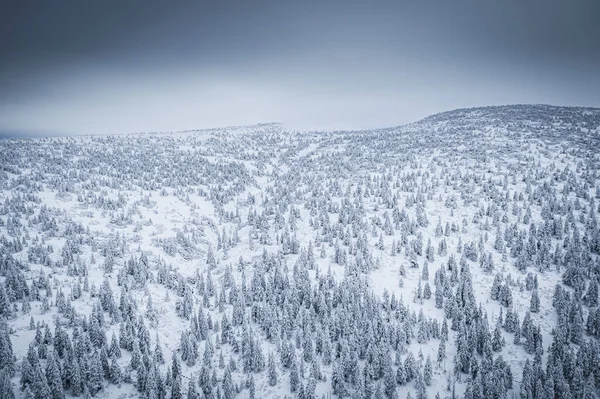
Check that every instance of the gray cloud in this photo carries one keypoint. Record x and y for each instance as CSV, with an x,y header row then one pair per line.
x,y
136,66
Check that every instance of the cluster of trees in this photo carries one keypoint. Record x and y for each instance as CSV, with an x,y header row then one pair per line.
x,y
314,220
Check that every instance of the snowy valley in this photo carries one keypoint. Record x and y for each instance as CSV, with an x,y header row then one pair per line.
x,y
454,257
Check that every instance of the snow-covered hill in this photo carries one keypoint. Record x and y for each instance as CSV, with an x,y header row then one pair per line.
x,y
455,256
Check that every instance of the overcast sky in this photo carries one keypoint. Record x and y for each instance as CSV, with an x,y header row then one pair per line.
x,y
74,67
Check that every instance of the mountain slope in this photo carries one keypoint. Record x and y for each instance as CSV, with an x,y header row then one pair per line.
x,y
455,255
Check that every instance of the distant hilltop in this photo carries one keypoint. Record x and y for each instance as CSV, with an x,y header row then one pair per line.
x,y
539,115
535,113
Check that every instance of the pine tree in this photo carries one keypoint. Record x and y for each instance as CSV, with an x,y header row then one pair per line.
x,y
75,378
517,337
176,387
511,321
498,340
591,296
7,358
6,387
527,381
309,390
192,392
228,387
426,291
439,296
39,385
578,383
136,355
175,366
158,353
506,298
252,388
469,390
410,367
420,386
141,378
441,355
418,293
30,363
589,391
272,371
389,382
294,378
115,371
496,286
534,305
576,324
428,371
204,381
95,374
401,375
105,362
53,377
114,347
337,381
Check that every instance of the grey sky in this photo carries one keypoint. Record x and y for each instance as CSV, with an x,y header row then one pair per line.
x,y
120,66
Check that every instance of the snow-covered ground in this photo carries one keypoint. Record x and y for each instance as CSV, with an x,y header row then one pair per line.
x,y
268,263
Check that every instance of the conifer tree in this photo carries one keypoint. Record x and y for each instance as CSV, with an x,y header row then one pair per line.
x,y
39,385
441,355
75,378
95,374
428,371
53,377
7,358
294,378
227,385
497,339
192,392
272,371
115,371
6,387
534,305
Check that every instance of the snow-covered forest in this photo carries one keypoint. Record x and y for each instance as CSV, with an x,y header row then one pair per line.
x,y
455,257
